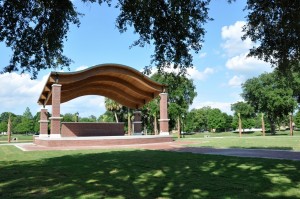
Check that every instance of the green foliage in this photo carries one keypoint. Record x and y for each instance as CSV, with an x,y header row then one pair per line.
x,y
35,31
68,117
247,115
36,119
275,27
297,119
215,120
181,93
3,126
91,118
245,109
174,27
207,119
106,117
114,107
270,94
27,123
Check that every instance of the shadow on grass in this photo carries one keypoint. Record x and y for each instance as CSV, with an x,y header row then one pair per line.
x,y
148,174
271,148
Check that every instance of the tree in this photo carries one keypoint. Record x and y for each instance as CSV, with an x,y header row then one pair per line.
x,y
274,26
228,122
197,119
297,119
151,110
36,122
26,124
3,127
181,93
106,117
36,29
68,117
91,118
113,106
247,114
215,120
270,94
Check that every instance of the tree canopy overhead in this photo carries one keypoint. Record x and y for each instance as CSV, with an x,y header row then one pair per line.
x,y
275,26
36,29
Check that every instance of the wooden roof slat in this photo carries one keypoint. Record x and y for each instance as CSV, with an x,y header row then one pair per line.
x,y
121,83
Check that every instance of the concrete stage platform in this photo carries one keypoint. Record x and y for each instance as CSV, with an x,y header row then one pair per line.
x,y
101,140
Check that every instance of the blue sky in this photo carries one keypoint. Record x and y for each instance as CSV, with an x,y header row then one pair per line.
x,y
219,68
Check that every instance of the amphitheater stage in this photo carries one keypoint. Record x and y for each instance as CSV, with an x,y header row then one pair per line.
x,y
101,140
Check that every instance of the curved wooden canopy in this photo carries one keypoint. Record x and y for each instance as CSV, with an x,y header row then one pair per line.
x,y
123,84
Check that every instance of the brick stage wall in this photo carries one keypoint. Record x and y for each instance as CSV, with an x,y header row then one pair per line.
x,y
101,142
77,129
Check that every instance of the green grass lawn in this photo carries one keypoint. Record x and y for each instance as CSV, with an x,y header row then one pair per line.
x,y
281,140
143,174
20,138
236,134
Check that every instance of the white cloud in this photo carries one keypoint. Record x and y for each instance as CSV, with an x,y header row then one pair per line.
x,y
85,105
223,106
233,44
236,50
244,64
202,55
19,91
200,75
192,72
81,68
236,81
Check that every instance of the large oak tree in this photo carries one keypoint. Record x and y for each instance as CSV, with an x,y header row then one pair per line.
x,y
271,94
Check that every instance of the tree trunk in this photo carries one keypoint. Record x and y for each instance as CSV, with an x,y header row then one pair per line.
x,y
291,125
273,126
240,125
9,129
116,117
179,128
263,125
155,125
129,124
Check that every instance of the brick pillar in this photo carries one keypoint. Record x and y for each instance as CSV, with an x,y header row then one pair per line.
x,y
164,121
44,123
55,119
137,123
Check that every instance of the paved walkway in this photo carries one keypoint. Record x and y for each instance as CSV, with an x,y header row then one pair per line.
x,y
179,147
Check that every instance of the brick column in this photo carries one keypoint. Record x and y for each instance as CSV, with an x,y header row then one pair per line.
x,y
137,123
55,119
164,121
44,123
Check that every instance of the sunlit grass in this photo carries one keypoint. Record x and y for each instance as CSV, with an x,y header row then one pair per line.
x,y
268,142
143,174
20,138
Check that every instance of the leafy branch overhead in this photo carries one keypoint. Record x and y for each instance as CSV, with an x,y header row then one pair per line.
x,y
36,29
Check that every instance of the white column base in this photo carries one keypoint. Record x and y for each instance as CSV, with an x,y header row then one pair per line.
x,y
137,133
55,135
43,135
164,133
